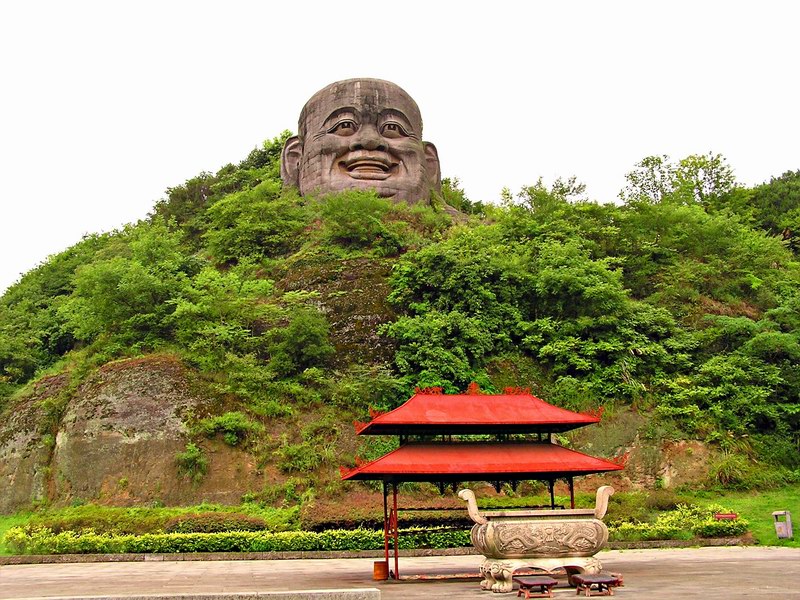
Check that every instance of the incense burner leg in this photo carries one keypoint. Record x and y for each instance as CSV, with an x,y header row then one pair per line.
x,y
497,574
486,573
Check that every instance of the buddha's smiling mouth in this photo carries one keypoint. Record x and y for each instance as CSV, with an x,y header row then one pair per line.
x,y
368,167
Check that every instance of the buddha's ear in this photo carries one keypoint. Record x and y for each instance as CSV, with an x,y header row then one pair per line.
x,y
432,167
290,161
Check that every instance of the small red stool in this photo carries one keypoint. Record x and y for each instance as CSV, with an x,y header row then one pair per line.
x,y
605,582
528,584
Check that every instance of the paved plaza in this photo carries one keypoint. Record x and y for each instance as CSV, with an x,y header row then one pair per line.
x,y
708,573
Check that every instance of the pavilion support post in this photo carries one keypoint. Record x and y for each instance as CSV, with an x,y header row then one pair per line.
x,y
571,482
386,524
552,485
396,532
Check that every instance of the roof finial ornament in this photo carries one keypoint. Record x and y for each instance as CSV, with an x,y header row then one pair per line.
x,y
473,389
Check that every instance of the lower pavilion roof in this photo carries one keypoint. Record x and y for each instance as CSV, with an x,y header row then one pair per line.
x,y
480,461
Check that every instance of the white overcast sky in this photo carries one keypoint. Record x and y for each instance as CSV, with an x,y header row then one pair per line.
x,y
103,105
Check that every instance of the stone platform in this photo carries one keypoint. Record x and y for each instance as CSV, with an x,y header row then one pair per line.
x,y
706,573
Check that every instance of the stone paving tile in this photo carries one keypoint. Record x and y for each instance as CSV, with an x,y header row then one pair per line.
x,y
707,573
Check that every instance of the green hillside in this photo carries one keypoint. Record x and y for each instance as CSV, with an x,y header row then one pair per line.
x,y
677,309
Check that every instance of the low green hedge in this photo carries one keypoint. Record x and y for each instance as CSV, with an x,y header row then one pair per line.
x,y
683,523
214,522
711,528
43,541
637,532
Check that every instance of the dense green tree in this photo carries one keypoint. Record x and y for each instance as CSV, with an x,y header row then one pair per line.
x,y
651,181
258,223
682,302
185,205
129,290
301,344
703,179
777,206
33,334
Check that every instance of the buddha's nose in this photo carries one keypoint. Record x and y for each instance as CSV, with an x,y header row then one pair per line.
x,y
367,138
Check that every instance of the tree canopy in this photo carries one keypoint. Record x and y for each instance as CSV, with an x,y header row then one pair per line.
x,y
681,302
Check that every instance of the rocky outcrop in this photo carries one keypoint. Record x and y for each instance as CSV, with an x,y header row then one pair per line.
x,y
353,296
120,432
116,441
25,445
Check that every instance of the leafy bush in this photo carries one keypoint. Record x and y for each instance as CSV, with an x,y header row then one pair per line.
x,y
303,343
663,500
271,408
634,532
192,463
355,218
219,314
730,470
234,426
300,458
129,290
711,528
256,223
141,520
214,522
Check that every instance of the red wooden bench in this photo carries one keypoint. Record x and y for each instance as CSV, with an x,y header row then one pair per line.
x,y
726,516
527,585
605,582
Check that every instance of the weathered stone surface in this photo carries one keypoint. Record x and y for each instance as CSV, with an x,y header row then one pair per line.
x,y
24,449
120,433
353,296
116,441
362,134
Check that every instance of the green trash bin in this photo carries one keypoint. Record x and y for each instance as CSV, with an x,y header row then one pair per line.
x,y
783,524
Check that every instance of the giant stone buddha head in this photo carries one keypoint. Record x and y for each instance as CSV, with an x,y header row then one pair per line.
x,y
362,134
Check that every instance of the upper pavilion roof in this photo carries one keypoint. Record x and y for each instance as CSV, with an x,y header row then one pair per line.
x,y
433,413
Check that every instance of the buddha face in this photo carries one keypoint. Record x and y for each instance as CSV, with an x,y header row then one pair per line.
x,y
362,134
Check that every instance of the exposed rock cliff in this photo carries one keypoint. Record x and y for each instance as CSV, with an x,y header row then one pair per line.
x,y
116,442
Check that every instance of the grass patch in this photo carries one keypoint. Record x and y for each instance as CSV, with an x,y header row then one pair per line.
x,y
638,515
758,506
6,523
143,520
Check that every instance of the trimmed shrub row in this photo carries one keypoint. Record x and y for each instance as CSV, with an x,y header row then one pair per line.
x,y
682,523
709,528
44,541
214,522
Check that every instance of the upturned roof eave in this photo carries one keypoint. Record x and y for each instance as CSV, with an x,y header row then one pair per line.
x,y
546,461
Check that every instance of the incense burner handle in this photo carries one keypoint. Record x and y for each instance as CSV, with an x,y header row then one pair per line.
x,y
472,506
601,501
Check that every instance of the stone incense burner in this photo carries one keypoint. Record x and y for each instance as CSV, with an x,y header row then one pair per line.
x,y
542,539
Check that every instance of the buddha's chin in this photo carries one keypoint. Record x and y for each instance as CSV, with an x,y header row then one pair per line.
x,y
369,175
388,186
361,181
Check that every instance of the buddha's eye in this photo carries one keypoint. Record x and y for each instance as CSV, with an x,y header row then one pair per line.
x,y
393,130
344,127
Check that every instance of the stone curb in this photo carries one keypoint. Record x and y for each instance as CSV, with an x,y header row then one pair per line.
x,y
343,594
695,543
36,559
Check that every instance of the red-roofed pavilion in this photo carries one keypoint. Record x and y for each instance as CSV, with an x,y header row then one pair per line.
x,y
519,427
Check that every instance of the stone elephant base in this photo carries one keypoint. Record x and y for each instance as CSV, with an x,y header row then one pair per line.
x,y
497,572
